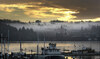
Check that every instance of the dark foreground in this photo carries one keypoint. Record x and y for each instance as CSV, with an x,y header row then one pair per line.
x,y
67,55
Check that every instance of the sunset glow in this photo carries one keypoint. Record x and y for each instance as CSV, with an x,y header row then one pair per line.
x,y
44,11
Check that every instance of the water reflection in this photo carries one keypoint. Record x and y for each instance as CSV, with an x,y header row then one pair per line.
x,y
69,58
69,45
85,57
82,57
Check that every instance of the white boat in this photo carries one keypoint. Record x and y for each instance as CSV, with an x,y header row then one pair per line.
x,y
50,52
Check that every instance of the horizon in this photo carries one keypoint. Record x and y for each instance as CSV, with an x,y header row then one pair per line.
x,y
39,21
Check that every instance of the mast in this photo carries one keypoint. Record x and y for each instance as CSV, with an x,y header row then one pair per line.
x,y
8,41
8,45
37,45
74,45
4,47
90,42
1,46
44,43
20,46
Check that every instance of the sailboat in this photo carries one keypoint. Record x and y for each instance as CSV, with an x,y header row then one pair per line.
x,y
18,54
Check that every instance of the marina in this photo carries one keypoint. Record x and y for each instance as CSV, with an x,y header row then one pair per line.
x,y
67,50
49,29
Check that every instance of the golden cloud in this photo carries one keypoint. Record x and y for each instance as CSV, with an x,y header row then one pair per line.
x,y
43,9
47,12
84,20
5,8
39,11
93,20
68,15
35,10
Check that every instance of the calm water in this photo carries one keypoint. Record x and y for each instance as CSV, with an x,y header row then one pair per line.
x,y
70,45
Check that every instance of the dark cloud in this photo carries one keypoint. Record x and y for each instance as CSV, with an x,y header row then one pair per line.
x,y
87,8
19,1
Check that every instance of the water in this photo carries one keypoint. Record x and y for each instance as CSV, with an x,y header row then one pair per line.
x,y
69,45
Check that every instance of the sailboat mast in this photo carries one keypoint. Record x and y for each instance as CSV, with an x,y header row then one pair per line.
x,y
20,46
37,43
44,43
4,47
8,41
1,46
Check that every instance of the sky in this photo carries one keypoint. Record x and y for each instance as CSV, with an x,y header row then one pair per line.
x,y
47,10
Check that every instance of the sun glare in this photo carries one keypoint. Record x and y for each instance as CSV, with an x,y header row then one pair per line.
x,y
68,16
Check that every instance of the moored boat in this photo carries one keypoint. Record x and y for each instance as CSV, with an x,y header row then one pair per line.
x,y
51,52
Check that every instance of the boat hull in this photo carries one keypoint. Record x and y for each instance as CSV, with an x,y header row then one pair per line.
x,y
49,57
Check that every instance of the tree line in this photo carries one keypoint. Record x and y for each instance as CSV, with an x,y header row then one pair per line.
x,y
25,34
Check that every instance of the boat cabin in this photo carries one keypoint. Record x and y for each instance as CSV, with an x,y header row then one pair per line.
x,y
51,50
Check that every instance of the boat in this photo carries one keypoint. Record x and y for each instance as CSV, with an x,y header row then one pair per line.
x,y
51,52
85,50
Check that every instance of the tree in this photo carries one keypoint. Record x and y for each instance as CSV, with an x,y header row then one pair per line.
x,y
38,21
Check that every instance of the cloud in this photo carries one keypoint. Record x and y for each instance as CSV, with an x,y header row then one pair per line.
x,y
88,9
35,10
60,9
18,1
46,12
6,9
